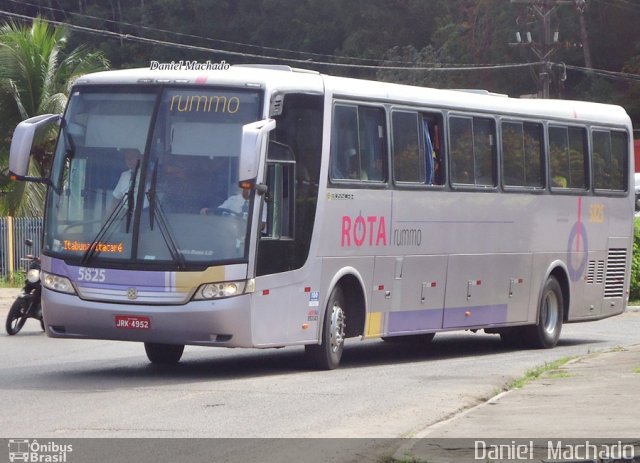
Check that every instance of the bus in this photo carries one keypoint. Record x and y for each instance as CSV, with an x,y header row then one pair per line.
x,y
268,206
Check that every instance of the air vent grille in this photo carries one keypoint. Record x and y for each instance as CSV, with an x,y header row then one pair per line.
x,y
616,268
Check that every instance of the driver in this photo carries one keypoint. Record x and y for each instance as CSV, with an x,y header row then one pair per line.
x,y
237,202
132,159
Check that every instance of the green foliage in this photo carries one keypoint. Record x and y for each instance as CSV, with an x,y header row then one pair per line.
x,y
35,78
371,32
634,290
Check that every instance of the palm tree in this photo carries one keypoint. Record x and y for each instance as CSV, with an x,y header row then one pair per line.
x,y
35,78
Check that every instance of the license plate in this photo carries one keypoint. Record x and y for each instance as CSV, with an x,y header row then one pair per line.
x,y
133,322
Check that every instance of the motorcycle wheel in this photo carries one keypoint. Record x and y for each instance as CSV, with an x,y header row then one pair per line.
x,y
16,317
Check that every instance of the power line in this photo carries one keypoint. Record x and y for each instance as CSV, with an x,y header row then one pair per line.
x,y
192,36
601,72
135,38
258,47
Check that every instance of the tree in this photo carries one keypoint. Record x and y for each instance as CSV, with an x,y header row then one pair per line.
x,y
35,78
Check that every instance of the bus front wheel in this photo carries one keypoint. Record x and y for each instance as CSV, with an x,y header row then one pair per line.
x,y
327,355
546,332
165,354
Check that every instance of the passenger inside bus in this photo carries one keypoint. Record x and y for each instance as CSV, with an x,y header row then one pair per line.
x,y
132,159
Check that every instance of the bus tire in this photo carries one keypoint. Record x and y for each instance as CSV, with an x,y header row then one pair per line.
x,y
165,354
327,355
545,334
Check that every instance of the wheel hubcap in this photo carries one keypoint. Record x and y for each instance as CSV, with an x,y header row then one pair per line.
x,y
550,312
337,328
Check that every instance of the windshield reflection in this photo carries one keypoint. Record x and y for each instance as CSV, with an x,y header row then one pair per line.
x,y
128,191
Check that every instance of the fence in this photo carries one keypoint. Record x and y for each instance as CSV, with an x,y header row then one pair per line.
x,y
13,232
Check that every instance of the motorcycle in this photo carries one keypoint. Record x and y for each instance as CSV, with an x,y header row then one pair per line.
x,y
28,303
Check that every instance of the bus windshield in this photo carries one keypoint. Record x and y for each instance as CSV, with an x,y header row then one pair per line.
x,y
150,176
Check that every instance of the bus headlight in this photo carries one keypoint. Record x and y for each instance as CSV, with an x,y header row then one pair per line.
x,y
224,289
57,283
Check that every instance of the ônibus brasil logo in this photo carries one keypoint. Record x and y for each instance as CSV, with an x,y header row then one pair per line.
x,y
32,451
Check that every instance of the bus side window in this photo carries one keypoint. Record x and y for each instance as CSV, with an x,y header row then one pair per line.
x,y
567,155
609,158
522,154
359,144
408,162
472,151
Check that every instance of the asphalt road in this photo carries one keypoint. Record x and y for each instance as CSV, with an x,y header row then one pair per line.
x,y
68,389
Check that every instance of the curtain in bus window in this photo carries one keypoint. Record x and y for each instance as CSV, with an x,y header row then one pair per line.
x,y
344,145
408,163
428,148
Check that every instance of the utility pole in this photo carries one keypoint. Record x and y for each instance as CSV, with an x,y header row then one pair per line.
x,y
581,6
543,9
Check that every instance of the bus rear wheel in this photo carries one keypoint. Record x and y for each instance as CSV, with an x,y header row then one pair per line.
x,y
165,354
545,334
327,355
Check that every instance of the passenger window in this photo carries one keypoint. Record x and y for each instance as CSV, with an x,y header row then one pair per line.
x,y
472,151
359,144
408,162
568,155
610,160
522,154
417,152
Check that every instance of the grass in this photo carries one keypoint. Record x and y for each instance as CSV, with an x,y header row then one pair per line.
x,y
637,370
15,280
549,370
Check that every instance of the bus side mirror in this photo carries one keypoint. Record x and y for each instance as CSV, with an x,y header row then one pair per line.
x,y
22,143
254,138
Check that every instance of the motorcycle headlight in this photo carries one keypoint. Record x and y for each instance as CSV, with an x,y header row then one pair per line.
x,y
33,275
57,283
224,289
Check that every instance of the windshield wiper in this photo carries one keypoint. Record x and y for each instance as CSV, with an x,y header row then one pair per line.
x,y
156,212
151,194
128,199
129,195
92,249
